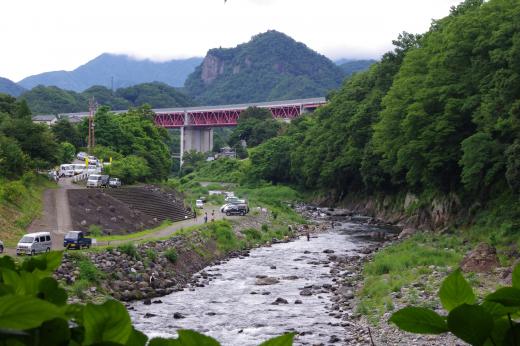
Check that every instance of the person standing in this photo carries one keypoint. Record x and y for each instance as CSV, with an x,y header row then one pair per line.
x,y
213,215
205,217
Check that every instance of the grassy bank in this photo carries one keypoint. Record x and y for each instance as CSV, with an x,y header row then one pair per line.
x,y
404,264
20,203
410,263
131,236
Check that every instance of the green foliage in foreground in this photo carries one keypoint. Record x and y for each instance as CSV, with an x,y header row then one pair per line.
x,y
34,311
490,322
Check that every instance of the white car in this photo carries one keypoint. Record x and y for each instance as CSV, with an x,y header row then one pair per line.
x,y
235,200
94,180
199,204
81,155
92,160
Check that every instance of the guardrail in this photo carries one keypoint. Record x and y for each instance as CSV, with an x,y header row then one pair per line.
x,y
80,177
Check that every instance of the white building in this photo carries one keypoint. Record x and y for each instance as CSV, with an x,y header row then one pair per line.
x,y
45,119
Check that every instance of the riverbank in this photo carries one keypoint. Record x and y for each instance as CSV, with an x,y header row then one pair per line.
x,y
154,268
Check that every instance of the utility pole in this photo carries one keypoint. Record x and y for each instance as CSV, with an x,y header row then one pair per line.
x,y
92,106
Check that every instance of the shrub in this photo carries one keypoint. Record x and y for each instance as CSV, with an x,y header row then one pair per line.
x,y
14,192
79,288
95,231
171,255
88,271
252,234
29,178
129,249
151,254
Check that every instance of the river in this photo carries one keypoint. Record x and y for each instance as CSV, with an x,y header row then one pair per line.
x,y
234,310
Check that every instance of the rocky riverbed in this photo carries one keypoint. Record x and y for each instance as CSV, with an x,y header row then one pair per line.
x,y
307,287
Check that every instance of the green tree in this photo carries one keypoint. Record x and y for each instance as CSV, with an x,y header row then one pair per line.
x,y
481,161
64,131
254,126
68,152
134,133
191,161
269,161
13,161
130,169
513,166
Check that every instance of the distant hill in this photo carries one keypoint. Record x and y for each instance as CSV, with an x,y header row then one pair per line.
x,y
124,70
272,66
350,67
7,86
53,100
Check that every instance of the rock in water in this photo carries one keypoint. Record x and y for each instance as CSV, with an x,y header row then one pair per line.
x,y
266,281
178,315
280,301
482,259
306,292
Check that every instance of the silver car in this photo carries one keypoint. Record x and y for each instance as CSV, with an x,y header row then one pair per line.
x,y
33,243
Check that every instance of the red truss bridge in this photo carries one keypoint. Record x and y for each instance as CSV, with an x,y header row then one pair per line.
x,y
227,115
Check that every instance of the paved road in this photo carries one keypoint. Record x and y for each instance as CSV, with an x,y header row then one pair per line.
x,y
55,216
167,231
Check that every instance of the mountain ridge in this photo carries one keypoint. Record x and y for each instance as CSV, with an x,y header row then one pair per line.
x,y
9,87
271,66
125,71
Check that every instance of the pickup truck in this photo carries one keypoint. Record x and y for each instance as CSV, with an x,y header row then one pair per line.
x,y
76,240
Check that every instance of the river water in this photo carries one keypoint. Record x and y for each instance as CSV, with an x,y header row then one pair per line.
x,y
226,309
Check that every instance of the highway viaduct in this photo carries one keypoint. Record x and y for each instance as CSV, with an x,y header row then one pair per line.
x,y
196,123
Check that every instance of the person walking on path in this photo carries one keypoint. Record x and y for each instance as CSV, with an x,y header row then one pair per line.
x,y
206,217
213,215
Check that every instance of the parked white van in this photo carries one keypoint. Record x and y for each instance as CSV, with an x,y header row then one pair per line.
x,y
33,243
66,170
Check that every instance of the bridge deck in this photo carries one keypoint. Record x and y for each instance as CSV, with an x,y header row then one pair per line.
x,y
222,115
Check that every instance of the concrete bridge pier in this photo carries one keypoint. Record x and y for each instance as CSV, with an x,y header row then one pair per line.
x,y
199,139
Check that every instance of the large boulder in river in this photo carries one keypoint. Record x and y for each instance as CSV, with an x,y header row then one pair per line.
x,y
482,259
263,281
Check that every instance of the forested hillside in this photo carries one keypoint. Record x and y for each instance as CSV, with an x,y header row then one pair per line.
x,y
272,66
53,100
118,71
438,115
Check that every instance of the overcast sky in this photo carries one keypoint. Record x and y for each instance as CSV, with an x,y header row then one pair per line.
x,y
40,36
